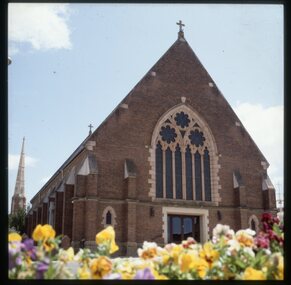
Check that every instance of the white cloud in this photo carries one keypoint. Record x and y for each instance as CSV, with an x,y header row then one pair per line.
x,y
266,127
43,25
13,161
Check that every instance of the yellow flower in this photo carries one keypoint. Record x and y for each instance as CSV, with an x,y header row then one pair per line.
x,y
126,270
84,272
48,246
165,259
158,276
107,236
186,262
14,237
190,262
100,267
253,274
208,253
278,262
175,252
28,261
43,233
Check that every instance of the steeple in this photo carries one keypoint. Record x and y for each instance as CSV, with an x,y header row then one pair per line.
x,y
18,199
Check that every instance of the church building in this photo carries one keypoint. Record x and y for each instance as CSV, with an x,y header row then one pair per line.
x,y
171,161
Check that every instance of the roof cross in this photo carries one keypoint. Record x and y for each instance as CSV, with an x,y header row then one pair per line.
x,y
180,24
90,127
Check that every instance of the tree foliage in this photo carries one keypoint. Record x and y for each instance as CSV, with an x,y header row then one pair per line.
x,y
17,221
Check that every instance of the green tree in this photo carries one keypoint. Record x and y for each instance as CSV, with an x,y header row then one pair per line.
x,y
17,221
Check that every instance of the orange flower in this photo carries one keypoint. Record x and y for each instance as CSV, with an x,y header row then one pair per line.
x,y
100,267
244,237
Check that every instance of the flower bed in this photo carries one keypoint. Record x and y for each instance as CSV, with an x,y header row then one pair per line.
x,y
227,256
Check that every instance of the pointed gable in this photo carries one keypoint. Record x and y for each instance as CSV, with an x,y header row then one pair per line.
x,y
179,77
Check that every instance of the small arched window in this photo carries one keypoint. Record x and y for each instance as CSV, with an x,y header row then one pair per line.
x,y
254,223
108,218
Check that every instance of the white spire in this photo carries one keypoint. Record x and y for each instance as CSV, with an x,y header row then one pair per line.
x,y
18,199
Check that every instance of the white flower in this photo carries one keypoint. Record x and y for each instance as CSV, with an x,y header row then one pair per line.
x,y
245,232
233,245
148,245
78,256
222,230
249,251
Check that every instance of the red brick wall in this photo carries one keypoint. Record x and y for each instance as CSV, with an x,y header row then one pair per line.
x,y
44,213
59,212
38,218
34,219
127,134
78,231
68,210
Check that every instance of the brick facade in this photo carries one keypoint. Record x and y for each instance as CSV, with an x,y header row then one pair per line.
x,y
115,165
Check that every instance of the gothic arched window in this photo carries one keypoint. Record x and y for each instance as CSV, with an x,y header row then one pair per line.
x,y
254,223
108,218
183,150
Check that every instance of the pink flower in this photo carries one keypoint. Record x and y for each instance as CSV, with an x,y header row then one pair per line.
x,y
262,241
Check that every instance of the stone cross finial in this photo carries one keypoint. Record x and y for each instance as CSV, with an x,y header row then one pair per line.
x,y
180,24
181,33
90,127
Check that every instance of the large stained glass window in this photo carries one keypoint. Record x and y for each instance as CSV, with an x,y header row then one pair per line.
x,y
182,159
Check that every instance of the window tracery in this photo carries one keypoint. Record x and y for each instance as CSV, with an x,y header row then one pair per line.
x,y
184,158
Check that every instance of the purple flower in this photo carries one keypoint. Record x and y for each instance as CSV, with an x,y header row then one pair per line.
x,y
18,260
29,248
144,274
13,254
11,259
41,268
14,247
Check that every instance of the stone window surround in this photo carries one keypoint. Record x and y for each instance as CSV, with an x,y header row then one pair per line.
x,y
204,222
256,220
113,217
211,145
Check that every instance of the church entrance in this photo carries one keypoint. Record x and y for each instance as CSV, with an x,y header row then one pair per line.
x,y
180,227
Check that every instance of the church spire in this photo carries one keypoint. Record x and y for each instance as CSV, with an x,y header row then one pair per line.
x,y
181,32
18,199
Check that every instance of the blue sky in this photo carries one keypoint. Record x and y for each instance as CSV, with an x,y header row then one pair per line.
x,y
73,63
